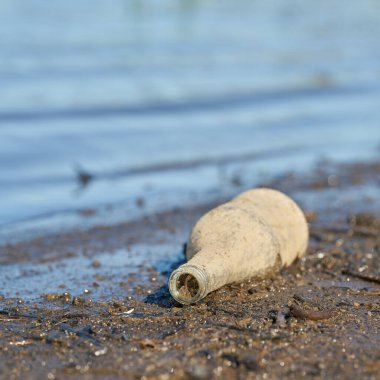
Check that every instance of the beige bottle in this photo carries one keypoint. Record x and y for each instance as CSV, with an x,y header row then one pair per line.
x,y
238,240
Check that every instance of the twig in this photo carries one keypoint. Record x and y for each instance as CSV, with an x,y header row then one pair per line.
x,y
362,276
12,316
313,315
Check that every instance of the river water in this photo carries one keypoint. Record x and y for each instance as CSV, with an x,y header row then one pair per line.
x,y
116,109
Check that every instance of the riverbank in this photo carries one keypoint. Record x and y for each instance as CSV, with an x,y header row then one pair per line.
x,y
93,303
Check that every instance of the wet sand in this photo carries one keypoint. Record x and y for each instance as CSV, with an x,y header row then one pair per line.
x,y
111,316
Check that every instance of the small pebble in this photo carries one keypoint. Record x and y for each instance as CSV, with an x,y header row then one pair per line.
x,y
101,351
79,301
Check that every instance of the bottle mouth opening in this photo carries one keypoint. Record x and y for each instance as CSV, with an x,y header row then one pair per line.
x,y
187,284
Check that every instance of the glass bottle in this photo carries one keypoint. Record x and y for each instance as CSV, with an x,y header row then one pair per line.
x,y
245,237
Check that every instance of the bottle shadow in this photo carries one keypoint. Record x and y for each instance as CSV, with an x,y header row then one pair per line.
x,y
161,296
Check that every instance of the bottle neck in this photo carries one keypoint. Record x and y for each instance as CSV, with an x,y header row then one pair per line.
x,y
189,284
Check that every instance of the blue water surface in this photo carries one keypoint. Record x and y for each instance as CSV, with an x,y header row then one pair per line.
x,y
168,101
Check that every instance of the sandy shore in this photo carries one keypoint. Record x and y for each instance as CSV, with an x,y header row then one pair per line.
x,y
93,303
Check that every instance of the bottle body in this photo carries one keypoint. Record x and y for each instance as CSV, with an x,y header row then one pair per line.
x,y
238,240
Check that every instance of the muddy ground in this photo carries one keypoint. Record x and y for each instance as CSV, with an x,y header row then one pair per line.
x,y
319,318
